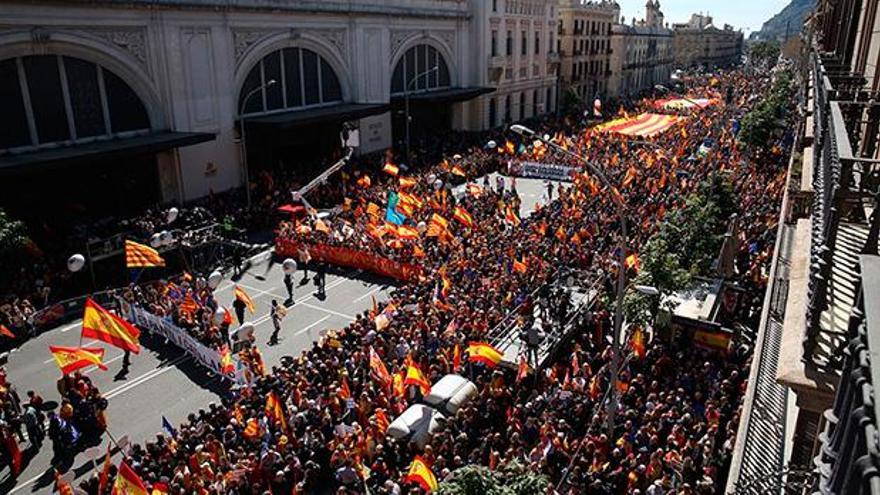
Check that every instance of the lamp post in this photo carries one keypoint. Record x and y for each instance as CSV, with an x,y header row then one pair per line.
x,y
406,104
663,89
621,270
244,159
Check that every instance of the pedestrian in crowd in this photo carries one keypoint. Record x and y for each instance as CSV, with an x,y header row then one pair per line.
x,y
321,279
288,284
304,259
239,306
277,313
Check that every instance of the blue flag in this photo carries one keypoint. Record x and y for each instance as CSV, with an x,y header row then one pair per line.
x,y
391,213
166,425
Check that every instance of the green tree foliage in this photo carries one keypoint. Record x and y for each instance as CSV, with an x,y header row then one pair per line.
x,y
762,121
13,236
686,245
512,479
764,52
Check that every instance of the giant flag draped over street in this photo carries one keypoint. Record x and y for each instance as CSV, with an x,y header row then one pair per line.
x,y
100,324
141,256
644,125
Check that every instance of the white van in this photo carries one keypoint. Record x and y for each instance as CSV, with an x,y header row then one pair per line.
x,y
415,424
450,394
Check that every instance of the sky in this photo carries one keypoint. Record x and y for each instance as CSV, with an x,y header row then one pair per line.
x,y
747,15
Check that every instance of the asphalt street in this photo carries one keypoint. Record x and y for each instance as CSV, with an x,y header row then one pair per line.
x,y
163,381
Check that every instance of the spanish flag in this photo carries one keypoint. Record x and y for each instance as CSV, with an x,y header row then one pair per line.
x,y
456,170
637,342
463,216
242,296
70,359
227,367
406,182
415,377
421,474
379,369
128,482
159,488
520,266
274,411
437,225
481,352
364,181
6,332
405,232
141,256
391,169
100,324
632,261
511,216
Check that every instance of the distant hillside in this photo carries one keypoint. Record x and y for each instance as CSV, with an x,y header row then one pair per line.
x,y
791,18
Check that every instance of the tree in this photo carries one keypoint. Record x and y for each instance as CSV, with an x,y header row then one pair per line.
x,y
13,236
764,52
511,479
762,121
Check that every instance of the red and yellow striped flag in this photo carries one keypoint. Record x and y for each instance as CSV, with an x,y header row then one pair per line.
x,y
100,324
456,170
406,182
128,482
242,296
382,420
70,359
4,331
638,343
391,169
141,256
420,474
274,410
481,352
415,377
227,367
463,216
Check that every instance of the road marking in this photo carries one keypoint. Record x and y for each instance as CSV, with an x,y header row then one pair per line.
x,y
67,328
146,377
337,313
313,325
368,294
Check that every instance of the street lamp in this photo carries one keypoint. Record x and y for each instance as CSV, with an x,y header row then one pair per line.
x,y
621,269
244,159
406,104
663,89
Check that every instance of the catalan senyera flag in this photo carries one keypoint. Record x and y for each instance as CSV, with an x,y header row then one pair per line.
x,y
481,352
128,482
100,324
437,225
415,377
511,216
227,367
644,125
344,389
141,256
382,420
274,410
420,474
70,359
242,296
463,216
391,169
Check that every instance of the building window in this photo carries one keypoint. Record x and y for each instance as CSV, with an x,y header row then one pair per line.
x,y
509,43
522,106
548,102
523,43
412,66
303,79
494,42
534,102
494,5
537,42
493,117
50,99
507,108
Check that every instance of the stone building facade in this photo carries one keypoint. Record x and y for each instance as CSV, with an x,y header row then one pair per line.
x,y
585,46
641,53
698,42
164,85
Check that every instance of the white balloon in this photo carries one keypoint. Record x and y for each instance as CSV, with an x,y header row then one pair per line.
x,y
422,227
438,184
214,279
431,177
219,315
172,214
166,238
289,266
156,240
546,137
492,144
76,262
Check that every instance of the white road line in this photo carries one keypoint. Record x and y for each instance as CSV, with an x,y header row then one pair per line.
x,y
313,325
368,294
67,328
337,313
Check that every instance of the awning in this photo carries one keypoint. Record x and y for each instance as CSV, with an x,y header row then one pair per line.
x,y
101,150
449,95
336,113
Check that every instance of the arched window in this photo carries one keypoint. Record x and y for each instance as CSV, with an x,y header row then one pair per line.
x,y
56,99
416,62
302,79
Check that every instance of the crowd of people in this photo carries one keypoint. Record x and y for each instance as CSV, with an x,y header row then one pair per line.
x,y
679,404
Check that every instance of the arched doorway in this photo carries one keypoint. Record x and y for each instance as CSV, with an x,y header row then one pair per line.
x,y
58,105
421,70
293,104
